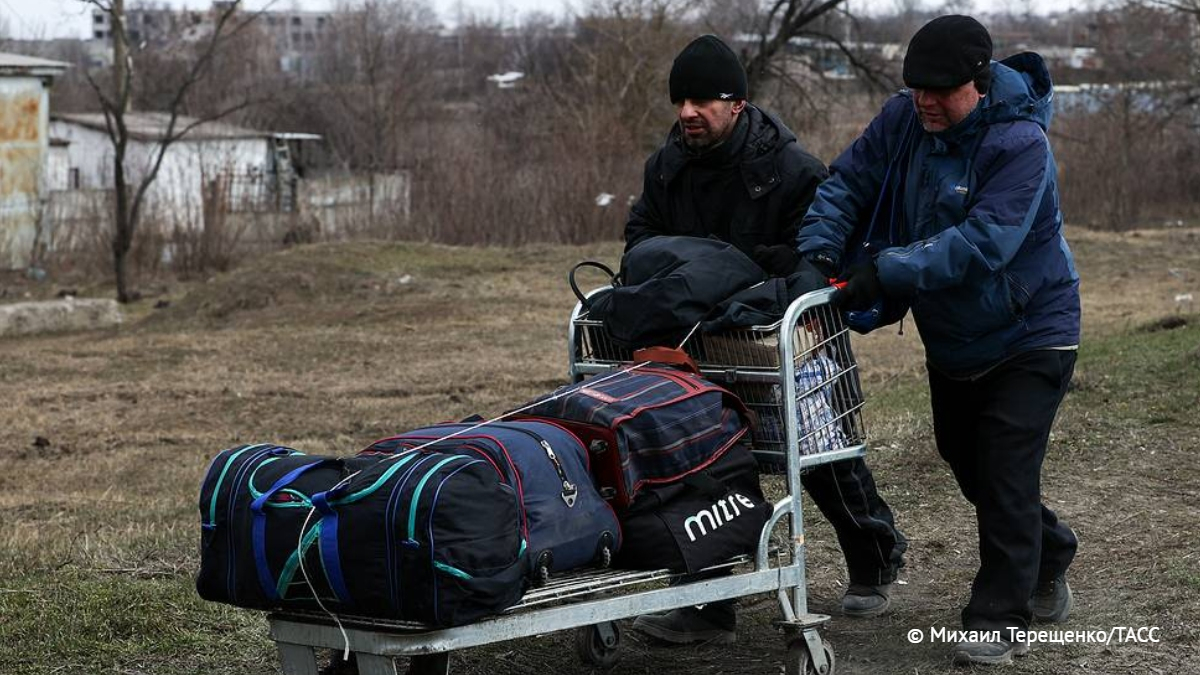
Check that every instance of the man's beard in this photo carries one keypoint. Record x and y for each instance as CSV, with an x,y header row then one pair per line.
x,y
705,142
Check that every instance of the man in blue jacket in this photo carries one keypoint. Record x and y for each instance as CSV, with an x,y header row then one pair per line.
x,y
948,204
733,171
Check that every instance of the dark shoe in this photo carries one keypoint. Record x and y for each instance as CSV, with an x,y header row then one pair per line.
x,y
715,623
1052,601
988,653
863,600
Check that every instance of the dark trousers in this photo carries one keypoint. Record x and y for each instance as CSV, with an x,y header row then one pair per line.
x,y
845,493
993,432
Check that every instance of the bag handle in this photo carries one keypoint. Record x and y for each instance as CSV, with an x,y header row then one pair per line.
x,y
259,523
669,355
575,287
331,559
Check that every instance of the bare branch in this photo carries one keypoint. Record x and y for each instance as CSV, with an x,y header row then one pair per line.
x,y
1192,8
874,75
797,14
170,139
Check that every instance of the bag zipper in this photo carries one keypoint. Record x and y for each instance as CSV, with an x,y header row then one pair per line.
x,y
570,491
514,479
242,472
395,503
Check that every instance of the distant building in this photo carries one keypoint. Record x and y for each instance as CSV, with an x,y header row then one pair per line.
x,y
1071,58
296,34
24,149
829,57
213,166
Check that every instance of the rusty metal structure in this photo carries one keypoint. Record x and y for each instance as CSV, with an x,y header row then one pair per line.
x,y
24,144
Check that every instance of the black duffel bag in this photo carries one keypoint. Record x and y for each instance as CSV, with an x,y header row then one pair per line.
x,y
665,287
420,536
703,519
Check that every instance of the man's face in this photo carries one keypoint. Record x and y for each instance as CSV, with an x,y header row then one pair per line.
x,y
940,109
706,122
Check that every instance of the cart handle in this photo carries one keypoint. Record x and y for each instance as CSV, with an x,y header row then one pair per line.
x,y
583,300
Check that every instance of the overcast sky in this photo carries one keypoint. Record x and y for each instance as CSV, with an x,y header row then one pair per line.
x,y
72,18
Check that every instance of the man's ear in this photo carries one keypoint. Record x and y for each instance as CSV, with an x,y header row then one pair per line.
x,y
738,106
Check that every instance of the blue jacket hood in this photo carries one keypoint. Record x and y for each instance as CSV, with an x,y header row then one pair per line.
x,y
1021,90
974,233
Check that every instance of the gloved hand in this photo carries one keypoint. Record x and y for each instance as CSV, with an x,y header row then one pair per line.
x,y
862,289
778,261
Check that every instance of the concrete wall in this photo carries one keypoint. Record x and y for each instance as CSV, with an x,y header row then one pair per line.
x,y
24,118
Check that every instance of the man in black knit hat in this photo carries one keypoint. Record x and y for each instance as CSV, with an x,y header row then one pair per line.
x,y
732,170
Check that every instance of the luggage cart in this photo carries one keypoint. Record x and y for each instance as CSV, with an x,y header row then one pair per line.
x,y
800,377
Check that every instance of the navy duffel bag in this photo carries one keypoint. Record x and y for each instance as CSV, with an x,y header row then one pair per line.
x,y
566,522
420,536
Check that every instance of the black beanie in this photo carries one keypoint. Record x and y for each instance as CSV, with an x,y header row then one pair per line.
x,y
707,69
947,52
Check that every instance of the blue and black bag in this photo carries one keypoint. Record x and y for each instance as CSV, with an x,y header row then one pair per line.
x,y
426,537
564,520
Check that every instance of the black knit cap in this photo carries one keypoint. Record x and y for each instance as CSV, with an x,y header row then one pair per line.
x,y
707,69
947,52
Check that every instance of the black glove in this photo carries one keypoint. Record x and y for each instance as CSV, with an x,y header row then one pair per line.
x,y
778,261
862,289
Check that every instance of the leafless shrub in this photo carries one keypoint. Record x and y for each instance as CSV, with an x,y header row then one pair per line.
x,y
214,246
557,156
1131,163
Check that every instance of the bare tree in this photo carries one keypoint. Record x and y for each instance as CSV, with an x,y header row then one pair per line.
x,y
781,21
129,188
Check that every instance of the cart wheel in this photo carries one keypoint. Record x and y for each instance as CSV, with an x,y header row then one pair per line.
x,y
598,645
799,660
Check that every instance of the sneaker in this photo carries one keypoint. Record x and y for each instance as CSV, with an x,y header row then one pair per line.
x,y
863,600
715,623
988,653
1052,600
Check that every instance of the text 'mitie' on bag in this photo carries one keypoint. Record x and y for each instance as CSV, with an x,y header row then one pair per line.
x,y
703,519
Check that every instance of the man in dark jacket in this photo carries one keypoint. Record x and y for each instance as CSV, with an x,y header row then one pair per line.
x,y
948,203
732,170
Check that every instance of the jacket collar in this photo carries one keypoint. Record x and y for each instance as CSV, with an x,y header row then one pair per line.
x,y
764,135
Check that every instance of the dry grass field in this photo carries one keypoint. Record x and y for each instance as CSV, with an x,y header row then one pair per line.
x,y
104,437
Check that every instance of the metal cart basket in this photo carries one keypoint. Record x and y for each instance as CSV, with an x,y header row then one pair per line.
x,y
800,377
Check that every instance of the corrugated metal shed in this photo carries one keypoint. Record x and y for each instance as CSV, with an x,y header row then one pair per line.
x,y
24,143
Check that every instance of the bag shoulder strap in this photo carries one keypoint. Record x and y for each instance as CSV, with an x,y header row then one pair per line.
x,y
669,356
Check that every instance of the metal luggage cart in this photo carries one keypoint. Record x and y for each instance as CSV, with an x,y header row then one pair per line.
x,y
800,377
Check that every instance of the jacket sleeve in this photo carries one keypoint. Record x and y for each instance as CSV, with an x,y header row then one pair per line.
x,y
811,174
848,197
645,216
1009,195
